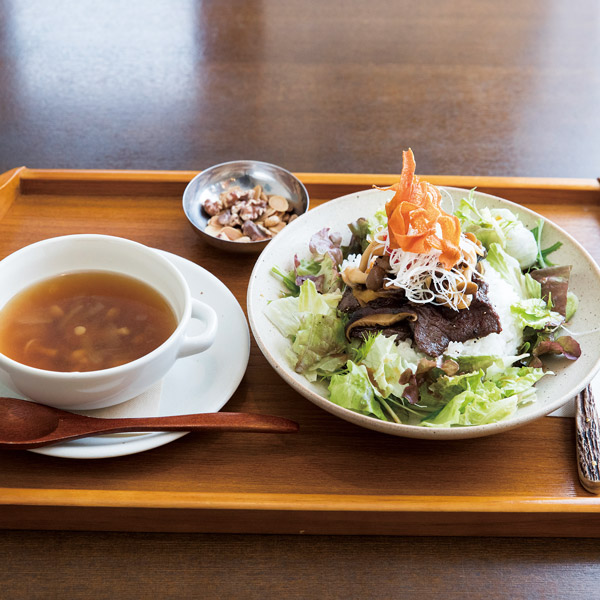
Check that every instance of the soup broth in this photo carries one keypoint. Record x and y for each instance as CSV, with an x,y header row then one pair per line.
x,y
84,321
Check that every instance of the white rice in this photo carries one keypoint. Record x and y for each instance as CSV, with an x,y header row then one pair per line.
x,y
505,343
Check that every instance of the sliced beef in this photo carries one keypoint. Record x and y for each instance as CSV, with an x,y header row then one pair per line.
x,y
437,326
432,327
348,303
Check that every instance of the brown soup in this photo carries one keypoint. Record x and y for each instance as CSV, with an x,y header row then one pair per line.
x,y
84,321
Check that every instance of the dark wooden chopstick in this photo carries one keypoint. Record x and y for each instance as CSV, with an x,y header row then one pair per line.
x,y
588,440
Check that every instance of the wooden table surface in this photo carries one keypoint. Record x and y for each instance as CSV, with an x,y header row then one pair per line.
x,y
475,88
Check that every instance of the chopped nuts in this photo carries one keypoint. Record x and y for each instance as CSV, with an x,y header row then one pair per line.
x,y
247,215
213,207
214,231
277,228
231,233
279,203
272,221
254,231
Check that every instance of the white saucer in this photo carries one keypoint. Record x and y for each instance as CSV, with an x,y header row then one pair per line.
x,y
196,384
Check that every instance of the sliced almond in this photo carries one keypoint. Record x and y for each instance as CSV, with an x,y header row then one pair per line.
x,y
277,228
272,221
244,238
292,217
264,230
214,231
279,203
257,192
231,232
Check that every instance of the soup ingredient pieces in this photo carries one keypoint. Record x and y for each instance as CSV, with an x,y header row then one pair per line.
x,y
84,321
247,215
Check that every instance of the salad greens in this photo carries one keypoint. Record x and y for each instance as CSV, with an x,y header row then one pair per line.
x,y
390,379
499,226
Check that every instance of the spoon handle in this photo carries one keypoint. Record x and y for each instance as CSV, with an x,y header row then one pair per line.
x,y
73,426
221,421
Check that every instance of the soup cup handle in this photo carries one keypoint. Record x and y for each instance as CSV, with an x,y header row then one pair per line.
x,y
193,344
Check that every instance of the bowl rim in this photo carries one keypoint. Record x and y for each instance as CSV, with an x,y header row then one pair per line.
x,y
6,362
400,429
187,201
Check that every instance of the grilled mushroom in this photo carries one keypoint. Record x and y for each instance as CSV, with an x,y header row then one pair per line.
x,y
379,317
378,272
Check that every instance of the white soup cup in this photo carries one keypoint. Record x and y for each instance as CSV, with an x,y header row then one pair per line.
x,y
87,252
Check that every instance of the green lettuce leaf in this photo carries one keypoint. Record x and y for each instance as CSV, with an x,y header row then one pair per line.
x,y
516,380
354,390
572,305
499,226
387,362
322,269
489,363
325,367
482,397
509,269
536,313
377,221
311,322
287,313
318,336
470,408
542,255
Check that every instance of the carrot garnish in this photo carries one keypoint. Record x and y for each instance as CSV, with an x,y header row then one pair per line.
x,y
416,221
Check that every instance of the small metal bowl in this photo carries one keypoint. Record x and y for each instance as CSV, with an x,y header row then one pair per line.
x,y
246,174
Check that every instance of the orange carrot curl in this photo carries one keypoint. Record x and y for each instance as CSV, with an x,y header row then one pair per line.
x,y
416,221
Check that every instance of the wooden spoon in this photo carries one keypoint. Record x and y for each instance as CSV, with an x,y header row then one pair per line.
x,y
29,425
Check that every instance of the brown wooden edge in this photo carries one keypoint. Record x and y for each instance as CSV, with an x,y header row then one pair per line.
x,y
319,185
111,510
291,513
9,188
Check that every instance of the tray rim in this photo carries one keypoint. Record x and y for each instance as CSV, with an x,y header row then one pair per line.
x,y
97,509
27,180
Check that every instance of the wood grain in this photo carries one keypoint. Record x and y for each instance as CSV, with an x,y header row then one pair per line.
x,y
323,480
48,564
475,88
588,440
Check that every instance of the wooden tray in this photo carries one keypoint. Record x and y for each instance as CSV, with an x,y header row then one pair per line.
x,y
332,477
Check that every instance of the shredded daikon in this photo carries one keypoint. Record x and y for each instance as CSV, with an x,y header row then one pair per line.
x,y
423,280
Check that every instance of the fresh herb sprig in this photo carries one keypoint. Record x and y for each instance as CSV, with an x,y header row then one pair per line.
x,y
542,260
